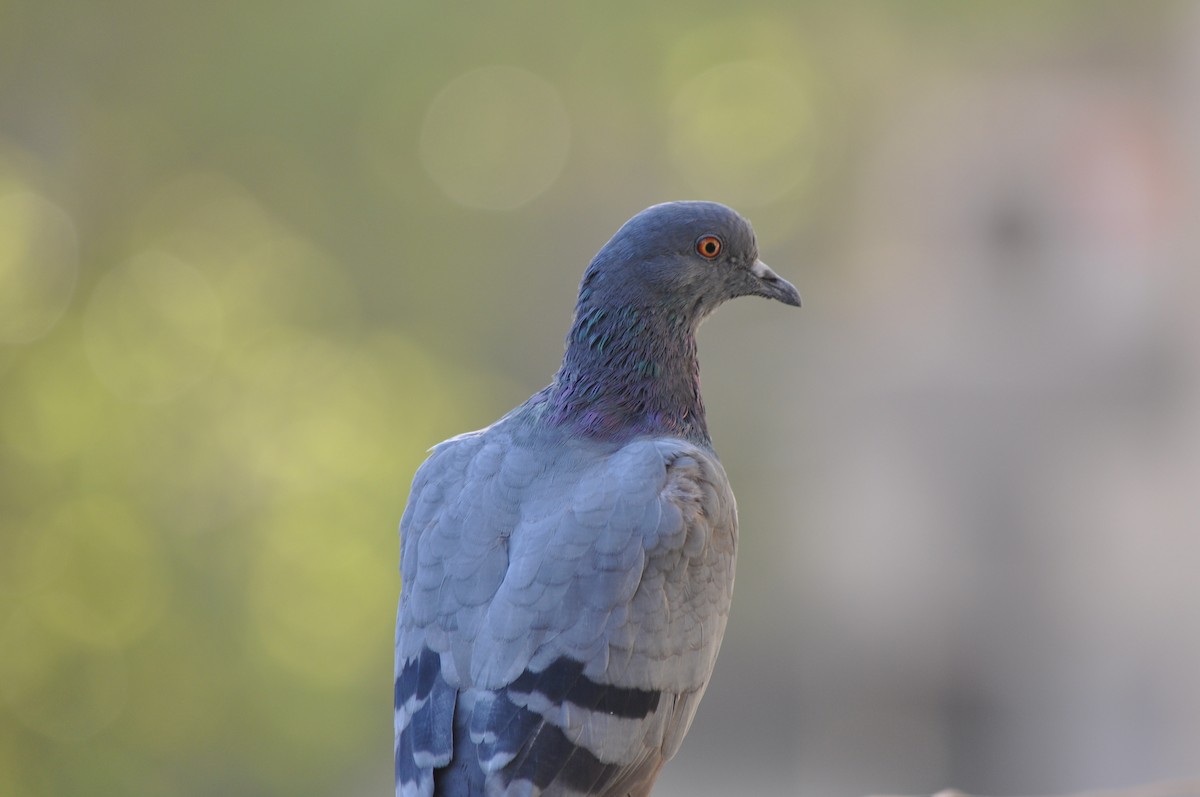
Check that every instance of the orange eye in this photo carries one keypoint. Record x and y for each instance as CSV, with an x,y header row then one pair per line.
x,y
709,246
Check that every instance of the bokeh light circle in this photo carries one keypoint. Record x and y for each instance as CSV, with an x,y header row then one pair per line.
x,y
152,328
495,138
39,261
742,132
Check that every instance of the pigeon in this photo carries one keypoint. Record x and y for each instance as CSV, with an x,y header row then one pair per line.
x,y
566,573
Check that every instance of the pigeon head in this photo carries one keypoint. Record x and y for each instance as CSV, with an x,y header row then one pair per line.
x,y
686,256
630,366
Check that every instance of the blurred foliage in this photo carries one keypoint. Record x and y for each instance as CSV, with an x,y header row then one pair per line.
x,y
251,268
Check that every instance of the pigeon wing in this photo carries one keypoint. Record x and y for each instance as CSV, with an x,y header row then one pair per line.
x,y
560,614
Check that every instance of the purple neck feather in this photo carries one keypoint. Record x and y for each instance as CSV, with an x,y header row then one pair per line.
x,y
629,371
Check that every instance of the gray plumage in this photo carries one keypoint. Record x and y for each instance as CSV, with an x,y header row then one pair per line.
x,y
567,571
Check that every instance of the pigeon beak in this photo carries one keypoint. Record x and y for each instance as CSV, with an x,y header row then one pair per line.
x,y
773,286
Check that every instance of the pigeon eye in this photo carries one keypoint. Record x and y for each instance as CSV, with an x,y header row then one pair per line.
x,y
708,247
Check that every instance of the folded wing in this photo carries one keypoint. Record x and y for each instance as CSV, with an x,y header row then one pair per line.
x,y
561,610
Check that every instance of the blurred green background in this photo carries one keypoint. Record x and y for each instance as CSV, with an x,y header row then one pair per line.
x,y
256,257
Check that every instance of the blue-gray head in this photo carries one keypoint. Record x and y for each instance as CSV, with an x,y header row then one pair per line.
x,y
630,367
687,256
